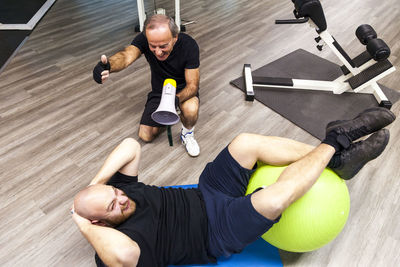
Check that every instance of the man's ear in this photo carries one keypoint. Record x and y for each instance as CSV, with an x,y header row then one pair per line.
x,y
174,39
99,223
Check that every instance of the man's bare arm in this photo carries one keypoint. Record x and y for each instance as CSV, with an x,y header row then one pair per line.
x,y
113,247
117,62
124,158
124,58
192,77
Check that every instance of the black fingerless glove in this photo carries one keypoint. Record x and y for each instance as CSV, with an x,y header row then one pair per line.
x,y
100,67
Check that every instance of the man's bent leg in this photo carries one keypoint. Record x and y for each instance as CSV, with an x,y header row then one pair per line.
x,y
247,149
299,176
293,182
189,112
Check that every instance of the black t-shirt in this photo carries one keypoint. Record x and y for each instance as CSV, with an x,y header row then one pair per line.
x,y
184,55
169,224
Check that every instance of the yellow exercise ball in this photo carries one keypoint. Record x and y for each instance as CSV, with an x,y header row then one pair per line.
x,y
313,220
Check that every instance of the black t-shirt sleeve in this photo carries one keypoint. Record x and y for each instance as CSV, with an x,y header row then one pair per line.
x,y
119,180
99,262
146,257
192,54
140,42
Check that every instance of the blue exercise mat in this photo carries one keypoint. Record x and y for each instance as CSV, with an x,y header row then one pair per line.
x,y
257,254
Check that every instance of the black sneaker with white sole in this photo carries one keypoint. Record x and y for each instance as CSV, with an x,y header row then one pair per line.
x,y
349,162
367,122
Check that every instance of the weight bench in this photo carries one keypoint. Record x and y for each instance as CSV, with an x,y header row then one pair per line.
x,y
360,74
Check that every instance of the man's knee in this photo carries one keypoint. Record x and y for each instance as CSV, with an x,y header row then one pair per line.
x,y
146,137
190,107
242,142
249,142
243,150
274,199
147,133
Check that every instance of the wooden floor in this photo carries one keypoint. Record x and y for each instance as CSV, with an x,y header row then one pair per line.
x,y
57,125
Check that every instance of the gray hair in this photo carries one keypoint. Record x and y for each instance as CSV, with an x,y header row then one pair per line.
x,y
154,21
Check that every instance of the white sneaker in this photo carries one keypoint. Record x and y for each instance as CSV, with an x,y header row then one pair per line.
x,y
192,147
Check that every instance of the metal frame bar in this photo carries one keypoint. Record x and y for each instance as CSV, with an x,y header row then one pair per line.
x,y
329,40
142,14
338,86
32,22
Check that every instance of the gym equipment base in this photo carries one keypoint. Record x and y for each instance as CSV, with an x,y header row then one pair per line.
x,y
309,109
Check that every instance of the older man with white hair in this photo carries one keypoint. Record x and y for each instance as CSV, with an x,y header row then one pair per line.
x,y
170,54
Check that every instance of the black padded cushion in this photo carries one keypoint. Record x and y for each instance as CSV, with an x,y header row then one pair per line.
x,y
313,10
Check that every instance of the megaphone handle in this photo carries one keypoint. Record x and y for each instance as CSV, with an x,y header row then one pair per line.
x,y
169,135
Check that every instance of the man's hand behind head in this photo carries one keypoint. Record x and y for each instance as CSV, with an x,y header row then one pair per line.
x,y
80,221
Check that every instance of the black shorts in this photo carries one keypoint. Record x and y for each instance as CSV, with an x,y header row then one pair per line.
x,y
233,223
153,101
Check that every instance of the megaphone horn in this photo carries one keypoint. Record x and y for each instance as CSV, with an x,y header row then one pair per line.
x,y
166,113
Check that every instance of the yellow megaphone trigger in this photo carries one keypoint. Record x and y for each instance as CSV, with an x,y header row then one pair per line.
x,y
170,81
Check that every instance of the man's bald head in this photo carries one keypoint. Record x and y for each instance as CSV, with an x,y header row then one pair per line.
x,y
103,204
88,199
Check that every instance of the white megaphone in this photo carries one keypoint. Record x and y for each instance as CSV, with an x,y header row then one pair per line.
x,y
166,113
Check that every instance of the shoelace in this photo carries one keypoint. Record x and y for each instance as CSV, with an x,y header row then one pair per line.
x,y
189,138
356,133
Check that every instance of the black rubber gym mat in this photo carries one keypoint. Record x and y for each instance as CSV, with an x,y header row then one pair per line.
x,y
18,12
310,110
9,42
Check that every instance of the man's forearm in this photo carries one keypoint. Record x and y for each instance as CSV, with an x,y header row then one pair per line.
x,y
124,58
186,93
118,62
113,247
192,77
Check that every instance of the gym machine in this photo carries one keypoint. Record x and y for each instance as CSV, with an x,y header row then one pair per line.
x,y
360,74
142,15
